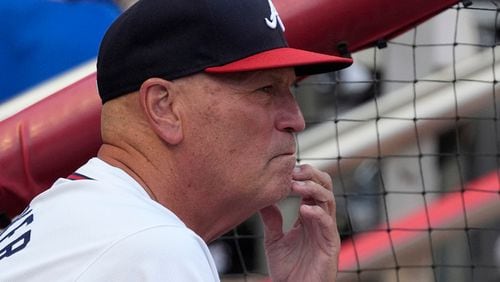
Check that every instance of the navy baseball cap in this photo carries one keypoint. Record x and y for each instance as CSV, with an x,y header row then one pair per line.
x,y
176,38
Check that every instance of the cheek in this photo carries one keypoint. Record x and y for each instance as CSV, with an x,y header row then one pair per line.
x,y
246,132
241,137
225,135
241,158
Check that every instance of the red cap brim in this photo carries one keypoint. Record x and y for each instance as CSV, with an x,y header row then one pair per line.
x,y
304,62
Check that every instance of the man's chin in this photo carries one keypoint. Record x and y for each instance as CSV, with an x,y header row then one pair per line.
x,y
281,184
282,189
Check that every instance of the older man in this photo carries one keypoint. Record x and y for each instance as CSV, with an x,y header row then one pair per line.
x,y
197,129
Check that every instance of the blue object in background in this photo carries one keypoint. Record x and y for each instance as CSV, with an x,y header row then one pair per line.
x,y
40,39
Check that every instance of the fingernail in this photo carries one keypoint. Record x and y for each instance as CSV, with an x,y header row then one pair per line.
x,y
301,183
307,207
296,169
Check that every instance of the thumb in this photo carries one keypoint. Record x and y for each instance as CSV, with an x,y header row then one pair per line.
x,y
273,223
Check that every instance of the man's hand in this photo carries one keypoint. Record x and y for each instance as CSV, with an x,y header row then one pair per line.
x,y
309,251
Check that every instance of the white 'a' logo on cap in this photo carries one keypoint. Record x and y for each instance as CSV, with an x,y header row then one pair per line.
x,y
274,19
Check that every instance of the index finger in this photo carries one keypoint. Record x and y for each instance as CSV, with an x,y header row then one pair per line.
x,y
307,172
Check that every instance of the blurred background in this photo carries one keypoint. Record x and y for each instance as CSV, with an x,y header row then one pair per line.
x,y
412,122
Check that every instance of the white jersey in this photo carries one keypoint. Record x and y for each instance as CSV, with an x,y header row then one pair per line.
x,y
102,227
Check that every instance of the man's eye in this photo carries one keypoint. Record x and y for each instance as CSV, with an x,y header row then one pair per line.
x,y
267,89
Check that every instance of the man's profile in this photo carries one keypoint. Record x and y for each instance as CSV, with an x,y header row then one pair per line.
x,y
198,127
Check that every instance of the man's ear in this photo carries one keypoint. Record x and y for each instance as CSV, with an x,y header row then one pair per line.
x,y
157,97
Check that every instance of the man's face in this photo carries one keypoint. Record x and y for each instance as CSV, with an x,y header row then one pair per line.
x,y
239,128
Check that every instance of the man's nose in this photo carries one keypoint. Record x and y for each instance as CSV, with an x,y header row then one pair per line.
x,y
290,116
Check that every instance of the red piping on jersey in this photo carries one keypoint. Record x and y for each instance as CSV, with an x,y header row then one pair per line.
x,y
78,176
